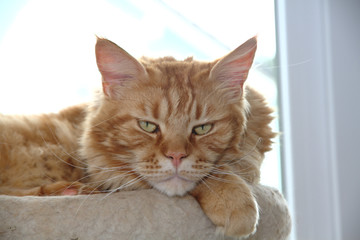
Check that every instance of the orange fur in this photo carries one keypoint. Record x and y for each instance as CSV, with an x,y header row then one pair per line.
x,y
101,146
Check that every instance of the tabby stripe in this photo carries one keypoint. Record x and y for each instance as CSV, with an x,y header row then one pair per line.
x,y
198,111
192,94
169,104
155,110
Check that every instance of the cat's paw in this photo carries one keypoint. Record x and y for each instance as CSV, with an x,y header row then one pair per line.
x,y
237,221
231,207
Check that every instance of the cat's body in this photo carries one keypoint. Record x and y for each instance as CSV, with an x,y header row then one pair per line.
x,y
178,126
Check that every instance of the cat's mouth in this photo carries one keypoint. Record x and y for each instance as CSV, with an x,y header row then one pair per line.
x,y
174,185
175,177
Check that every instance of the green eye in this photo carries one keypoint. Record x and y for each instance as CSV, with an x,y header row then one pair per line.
x,y
148,126
202,129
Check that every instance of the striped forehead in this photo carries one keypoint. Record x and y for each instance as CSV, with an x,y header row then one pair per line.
x,y
176,100
175,91
173,100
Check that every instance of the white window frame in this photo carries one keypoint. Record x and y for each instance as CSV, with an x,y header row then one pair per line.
x,y
319,66
306,99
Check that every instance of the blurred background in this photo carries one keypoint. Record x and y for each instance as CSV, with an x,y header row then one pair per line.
x,y
307,65
47,59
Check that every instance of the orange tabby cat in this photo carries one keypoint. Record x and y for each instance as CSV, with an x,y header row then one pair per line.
x,y
177,126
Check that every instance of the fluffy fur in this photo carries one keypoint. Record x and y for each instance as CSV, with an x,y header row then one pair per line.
x,y
177,126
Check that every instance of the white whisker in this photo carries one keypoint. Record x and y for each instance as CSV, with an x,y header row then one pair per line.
x,y
108,119
59,158
234,161
128,184
215,193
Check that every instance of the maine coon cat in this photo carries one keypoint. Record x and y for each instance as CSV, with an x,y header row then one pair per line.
x,y
182,127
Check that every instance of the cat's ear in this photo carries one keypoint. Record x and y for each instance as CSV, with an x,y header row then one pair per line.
x,y
232,70
116,66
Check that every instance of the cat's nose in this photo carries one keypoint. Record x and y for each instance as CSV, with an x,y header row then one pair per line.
x,y
176,157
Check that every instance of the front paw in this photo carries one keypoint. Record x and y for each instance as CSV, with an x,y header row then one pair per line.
x,y
236,221
230,206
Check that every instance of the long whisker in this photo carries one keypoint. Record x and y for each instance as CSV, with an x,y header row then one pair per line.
x,y
61,146
220,179
112,191
67,153
128,184
203,180
234,161
108,119
59,158
238,172
104,170
122,175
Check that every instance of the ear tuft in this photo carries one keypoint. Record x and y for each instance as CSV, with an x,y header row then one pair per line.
x,y
116,66
232,70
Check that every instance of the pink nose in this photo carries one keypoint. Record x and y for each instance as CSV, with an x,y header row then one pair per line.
x,y
176,157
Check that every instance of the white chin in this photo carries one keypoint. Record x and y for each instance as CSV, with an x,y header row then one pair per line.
x,y
174,186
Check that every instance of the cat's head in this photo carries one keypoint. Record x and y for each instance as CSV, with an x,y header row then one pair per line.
x,y
163,121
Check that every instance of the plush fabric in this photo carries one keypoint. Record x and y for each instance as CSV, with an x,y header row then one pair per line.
x,y
145,214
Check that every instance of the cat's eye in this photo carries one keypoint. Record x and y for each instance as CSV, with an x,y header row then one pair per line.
x,y
202,129
148,126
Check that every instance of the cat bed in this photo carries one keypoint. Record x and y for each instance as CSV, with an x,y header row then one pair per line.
x,y
145,214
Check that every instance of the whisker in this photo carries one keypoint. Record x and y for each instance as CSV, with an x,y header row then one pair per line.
x,y
60,145
122,175
234,161
203,180
59,158
238,172
102,182
105,170
128,184
220,179
108,119
66,152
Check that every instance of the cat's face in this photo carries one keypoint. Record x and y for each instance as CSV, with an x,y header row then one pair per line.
x,y
169,122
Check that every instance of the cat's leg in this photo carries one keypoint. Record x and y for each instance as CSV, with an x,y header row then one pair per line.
x,y
52,189
229,204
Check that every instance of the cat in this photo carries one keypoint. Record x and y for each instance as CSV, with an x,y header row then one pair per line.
x,y
182,127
